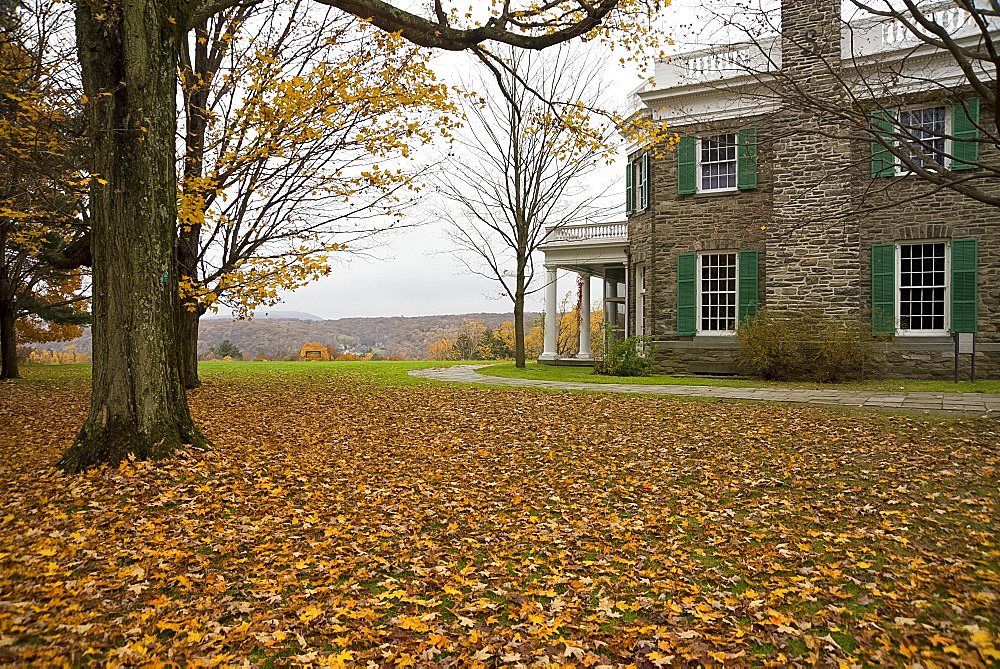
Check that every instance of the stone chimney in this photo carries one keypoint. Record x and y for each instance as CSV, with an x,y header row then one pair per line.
x,y
810,40
813,249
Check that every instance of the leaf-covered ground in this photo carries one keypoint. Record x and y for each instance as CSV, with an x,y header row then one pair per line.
x,y
344,520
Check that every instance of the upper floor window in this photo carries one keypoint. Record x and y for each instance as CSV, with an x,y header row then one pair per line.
x,y
926,131
931,138
717,163
637,184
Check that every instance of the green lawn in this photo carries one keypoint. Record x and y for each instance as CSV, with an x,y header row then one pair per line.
x,y
382,372
585,375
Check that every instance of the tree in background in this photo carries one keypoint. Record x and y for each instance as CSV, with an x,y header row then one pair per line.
x,y
226,350
494,346
533,139
128,53
299,129
39,200
568,322
475,341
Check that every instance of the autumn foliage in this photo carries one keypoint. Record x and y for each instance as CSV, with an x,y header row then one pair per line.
x,y
475,341
341,520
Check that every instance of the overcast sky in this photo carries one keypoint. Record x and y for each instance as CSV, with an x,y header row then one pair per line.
x,y
412,274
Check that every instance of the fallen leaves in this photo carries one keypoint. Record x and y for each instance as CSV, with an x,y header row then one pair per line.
x,y
340,522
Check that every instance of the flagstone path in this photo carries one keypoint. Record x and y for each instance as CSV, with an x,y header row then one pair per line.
x,y
950,403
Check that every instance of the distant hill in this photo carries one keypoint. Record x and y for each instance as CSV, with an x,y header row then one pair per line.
x,y
404,336
299,315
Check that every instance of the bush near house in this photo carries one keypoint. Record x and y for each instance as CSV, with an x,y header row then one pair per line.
x,y
783,345
625,357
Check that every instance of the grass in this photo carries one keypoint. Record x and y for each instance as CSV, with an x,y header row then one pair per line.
x,y
541,372
347,508
382,373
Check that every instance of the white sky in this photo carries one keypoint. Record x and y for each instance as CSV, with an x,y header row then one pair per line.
x,y
413,275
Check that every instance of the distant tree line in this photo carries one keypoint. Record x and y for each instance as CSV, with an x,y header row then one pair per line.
x,y
476,341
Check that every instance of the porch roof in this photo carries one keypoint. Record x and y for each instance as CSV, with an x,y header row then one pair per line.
x,y
586,247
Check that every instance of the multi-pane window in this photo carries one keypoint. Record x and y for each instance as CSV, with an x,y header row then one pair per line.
x,y
922,277
717,292
718,162
640,299
928,129
637,184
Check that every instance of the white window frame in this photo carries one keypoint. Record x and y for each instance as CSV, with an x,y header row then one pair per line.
x,y
736,159
946,331
697,302
901,169
637,178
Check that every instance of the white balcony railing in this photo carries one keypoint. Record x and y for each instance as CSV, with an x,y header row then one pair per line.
x,y
586,232
860,39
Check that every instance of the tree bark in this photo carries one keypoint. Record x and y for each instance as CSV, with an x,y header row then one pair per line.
x,y
188,323
519,357
196,77
128,55
8,341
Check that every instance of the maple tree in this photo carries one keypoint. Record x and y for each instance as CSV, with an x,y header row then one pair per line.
x,y
362,520
128,54
39,198
299,129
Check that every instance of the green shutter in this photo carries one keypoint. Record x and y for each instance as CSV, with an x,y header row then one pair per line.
x,y
628,188
964,261
687,269
883,162
746,159
747,296
645,180
884,289
965,126
687,167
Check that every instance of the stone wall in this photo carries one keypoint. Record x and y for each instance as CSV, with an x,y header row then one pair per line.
x,y
675,224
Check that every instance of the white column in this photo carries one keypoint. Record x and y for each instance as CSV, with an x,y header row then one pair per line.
x,y
628,330
550,349
585,353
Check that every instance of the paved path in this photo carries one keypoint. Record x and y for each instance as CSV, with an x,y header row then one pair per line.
x,y
952,403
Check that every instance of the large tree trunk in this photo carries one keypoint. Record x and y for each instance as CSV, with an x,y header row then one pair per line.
x,y
128,54
8,341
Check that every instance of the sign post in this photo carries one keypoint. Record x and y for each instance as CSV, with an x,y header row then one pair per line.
x,y
965,344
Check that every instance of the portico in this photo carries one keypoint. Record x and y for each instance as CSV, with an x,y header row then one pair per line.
x,y
589,249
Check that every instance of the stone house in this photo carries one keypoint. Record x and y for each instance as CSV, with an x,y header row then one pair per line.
x,y
761,200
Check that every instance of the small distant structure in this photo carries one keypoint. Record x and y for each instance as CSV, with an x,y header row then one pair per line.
x,y
313,351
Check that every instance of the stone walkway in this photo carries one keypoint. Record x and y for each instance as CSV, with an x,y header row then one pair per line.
x,y
950,403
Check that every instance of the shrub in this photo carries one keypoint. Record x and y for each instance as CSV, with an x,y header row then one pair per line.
x,y
771,345
846,350
783,345
625,357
